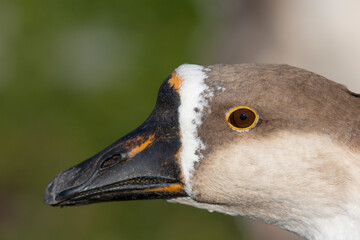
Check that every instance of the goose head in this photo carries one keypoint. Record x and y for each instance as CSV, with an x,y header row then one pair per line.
x,y
273,143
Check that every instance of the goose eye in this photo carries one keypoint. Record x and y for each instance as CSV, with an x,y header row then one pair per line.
x,y
242,118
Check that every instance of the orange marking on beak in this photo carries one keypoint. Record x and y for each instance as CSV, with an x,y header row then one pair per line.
x,y
175,82
171,188
177,155
142,146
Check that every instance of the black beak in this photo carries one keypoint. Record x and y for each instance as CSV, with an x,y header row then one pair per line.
x,y
142,165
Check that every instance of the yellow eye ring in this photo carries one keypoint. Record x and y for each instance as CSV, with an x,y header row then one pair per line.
x,y
242,118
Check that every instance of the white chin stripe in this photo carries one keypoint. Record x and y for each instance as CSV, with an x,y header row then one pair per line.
x,y
193,96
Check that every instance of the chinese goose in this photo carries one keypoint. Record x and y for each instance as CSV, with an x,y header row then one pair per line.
x,y
273,143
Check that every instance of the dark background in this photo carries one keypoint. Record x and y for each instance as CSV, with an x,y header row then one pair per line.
x,y
77,75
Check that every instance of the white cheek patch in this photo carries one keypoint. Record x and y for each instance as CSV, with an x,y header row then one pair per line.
x,y
194,95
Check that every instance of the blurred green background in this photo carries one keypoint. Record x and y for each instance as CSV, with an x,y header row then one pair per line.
x,y
74,77
77,75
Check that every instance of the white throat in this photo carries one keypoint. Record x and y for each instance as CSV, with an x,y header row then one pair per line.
x,y
337,228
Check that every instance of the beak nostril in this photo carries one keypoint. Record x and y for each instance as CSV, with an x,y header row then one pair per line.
x,y
111,161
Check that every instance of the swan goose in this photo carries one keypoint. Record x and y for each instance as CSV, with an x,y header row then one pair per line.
x,y
273,143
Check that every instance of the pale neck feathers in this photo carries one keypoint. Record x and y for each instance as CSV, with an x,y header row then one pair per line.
x,y
304,183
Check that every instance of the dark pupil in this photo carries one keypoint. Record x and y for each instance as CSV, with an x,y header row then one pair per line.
x,y
243,116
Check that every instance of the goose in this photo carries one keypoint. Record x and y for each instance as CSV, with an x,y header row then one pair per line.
x,y
273,143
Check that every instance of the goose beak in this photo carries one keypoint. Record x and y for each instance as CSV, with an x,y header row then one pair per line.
x,y
142,165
